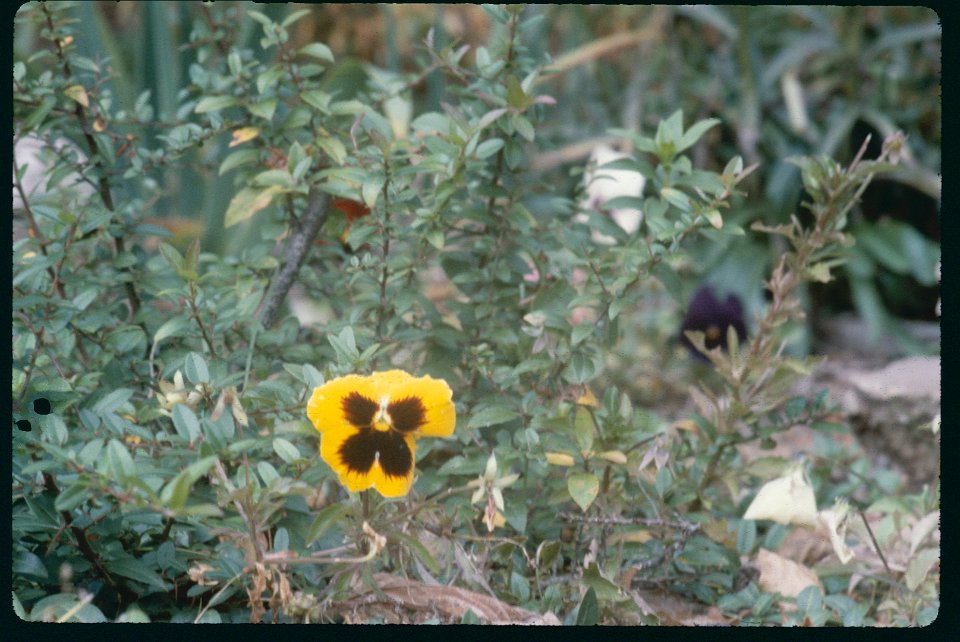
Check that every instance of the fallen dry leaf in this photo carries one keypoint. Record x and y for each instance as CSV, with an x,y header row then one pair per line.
x,y
409,601
783,576
676,610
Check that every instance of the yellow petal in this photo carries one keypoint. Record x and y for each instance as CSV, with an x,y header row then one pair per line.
x,y
434,394
325,408
357,474
368,426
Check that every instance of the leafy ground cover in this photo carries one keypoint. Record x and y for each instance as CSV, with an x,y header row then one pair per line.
x,y
260,251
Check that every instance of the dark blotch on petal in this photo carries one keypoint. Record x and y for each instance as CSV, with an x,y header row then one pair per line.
x,y
358,452
359,410
407,414
707,311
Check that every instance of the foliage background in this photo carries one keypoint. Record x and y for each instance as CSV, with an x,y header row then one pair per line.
x,y
162,122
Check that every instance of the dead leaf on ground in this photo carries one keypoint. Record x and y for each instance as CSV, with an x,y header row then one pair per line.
x,y
806,546
676,610
410,601
783,576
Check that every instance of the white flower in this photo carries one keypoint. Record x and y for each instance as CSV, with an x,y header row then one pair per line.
x,y
602,185
788,499
834,520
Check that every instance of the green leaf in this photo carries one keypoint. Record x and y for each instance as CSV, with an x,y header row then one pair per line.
x,y
491,416
581,332
172,256
170,328
202,510
692,135
919,566
274,177
715,218
809,599
26,563
119,462
312,376
370,190
71,497
90,453
176,492
185,422
248,202
676,198
317,99
267,472
669,132
516,97
133,615
418,549
215,103
137,570
270,78
264,109
334,148
523,127
663,481
317,50
589,612
344,345
285,450
293,17
606,590
237,159
195,368
326,518
583,488
38,115
488,148
584,429
746,536
53,426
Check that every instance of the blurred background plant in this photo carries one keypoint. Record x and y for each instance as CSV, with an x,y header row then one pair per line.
x,y
170,158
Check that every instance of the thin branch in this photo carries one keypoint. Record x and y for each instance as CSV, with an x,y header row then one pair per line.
x,y
385,275
80,537
195,313
296,251
103,184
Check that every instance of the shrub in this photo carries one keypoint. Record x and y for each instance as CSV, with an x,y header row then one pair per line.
x,y
176,476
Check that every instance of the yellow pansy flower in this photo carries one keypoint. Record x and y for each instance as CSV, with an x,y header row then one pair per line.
x,y
368,426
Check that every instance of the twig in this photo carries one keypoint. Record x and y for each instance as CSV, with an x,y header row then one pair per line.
x,y
874,540
385,274
80,537
195,313
296,251
103,184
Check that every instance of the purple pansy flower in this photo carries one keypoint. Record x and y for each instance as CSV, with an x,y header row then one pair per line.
x,y
712,317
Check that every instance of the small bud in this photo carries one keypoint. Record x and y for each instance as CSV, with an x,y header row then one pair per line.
x,y
490,472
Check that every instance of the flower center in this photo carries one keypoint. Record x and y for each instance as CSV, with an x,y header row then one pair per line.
x,y
382,420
